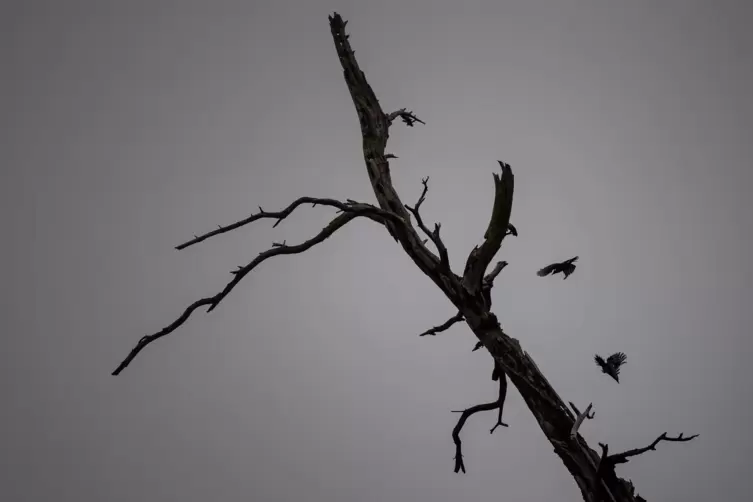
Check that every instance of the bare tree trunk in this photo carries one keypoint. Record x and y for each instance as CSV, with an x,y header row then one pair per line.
x,y
470,294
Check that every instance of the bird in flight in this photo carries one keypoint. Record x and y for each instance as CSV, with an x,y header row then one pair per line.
x,y
566,268
612,365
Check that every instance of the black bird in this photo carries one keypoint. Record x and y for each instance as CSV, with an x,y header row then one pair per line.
x,y
612,365
566,267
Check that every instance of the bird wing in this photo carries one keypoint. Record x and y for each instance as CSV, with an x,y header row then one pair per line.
x,y
599,360
547,270
616,360
571,260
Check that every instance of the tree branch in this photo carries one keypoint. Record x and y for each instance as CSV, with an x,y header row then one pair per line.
x,y
589,416
621,458
433,235
480,257
489,278
444,326
466,414
409,118
375,125
241,272
579,420
281,215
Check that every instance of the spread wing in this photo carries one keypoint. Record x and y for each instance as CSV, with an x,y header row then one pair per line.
x,y
616,360
599,360
571,261
547,270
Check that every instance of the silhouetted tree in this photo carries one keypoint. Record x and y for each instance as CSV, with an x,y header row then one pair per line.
x,y
469,294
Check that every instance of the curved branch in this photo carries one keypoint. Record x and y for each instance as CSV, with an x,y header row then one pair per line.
x,y
409,118
466,414
481,256
240,273
278,215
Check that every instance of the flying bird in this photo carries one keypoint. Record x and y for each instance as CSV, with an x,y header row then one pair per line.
x,y
566,268
612,365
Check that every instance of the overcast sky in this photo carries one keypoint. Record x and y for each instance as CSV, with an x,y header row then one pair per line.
x,y
129,126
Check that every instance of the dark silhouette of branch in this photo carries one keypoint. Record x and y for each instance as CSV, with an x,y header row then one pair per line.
x,y
481,256
579,420
277,215
433,235
444,326
409,118
489,278
621,458
589,416
466,414
241,272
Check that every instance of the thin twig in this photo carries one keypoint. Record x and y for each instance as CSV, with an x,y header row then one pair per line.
x,y
277,215
444,326
239,274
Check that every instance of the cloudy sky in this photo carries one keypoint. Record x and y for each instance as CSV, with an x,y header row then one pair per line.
x,y
127,127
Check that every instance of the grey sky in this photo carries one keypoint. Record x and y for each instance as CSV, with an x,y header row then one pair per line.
x,y
127,127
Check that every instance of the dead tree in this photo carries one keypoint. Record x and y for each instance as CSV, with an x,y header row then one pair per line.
x,y
469,294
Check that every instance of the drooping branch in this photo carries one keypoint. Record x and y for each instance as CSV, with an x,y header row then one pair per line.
x,y
444,326
433,235
621,458
279,216
466,414
481,256
276,250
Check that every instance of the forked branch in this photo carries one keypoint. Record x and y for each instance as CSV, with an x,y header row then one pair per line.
x,y
433,235
279,216
351,212
621,458
466,414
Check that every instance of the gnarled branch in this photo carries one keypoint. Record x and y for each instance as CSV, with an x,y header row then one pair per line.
x,y
241,272
621,458
466,414
444,326
279,216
